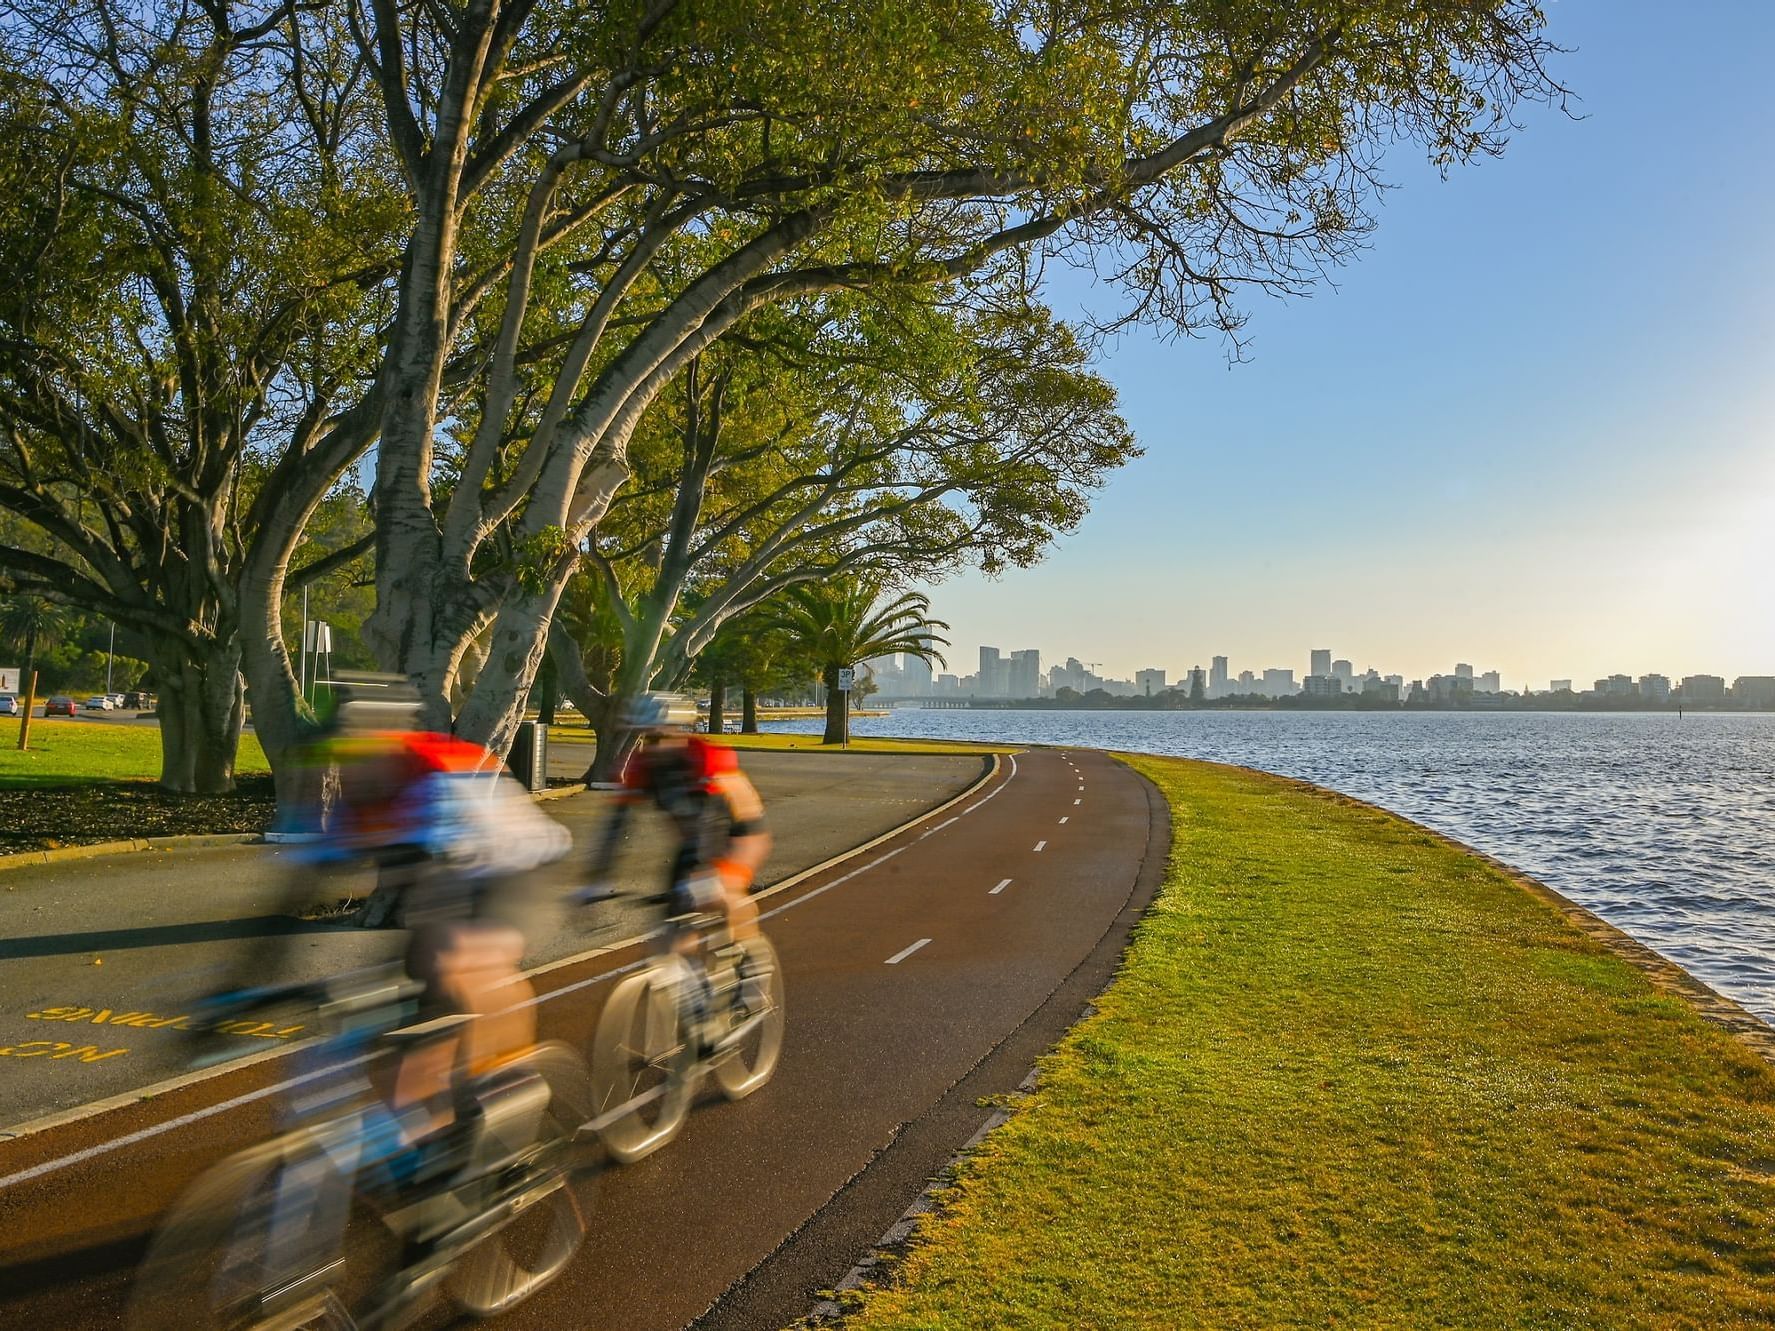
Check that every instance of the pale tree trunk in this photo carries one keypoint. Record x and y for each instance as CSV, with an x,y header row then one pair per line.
x,y
748,710
202,708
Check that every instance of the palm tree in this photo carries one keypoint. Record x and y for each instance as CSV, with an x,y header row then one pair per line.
x,y
836,624
31,621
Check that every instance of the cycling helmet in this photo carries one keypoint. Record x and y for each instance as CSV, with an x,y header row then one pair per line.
x,y
660,711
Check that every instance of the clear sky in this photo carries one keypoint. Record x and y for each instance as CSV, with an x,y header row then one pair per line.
x,y
1533,428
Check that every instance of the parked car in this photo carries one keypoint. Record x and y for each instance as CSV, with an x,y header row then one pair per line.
x,y
116,699
59,706
139,699
100,702
8,705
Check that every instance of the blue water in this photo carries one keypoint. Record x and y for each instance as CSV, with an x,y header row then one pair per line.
x,y
1663,826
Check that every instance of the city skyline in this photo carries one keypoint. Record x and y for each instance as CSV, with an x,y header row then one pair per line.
x,y
1472,444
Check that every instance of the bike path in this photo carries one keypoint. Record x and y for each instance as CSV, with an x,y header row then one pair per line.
x,y
102,960
907,975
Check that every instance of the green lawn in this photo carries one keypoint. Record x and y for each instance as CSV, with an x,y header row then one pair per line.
x,y
78,753
1350,1076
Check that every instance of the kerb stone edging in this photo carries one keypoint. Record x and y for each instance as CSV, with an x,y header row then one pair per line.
x,y
27,859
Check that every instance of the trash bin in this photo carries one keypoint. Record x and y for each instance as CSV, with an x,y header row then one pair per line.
x,y
529,759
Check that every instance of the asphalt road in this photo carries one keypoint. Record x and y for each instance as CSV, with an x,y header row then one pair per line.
x,y
101,949
922,974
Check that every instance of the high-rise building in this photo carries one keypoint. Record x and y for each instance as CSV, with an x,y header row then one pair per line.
x,y
1247,682
1217,678
1559,686
1753,691
1489,682
1463,671
1149,682
1344,672
994,674
1321,686
1654,688
1023,674
1703,688
1321,661
1279,683
915,676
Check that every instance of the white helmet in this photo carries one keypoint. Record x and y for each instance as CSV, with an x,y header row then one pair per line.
x,y
660,711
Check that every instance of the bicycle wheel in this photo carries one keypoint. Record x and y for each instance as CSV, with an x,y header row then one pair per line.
x,y
642,1058
541,1214
746,1064
209,1263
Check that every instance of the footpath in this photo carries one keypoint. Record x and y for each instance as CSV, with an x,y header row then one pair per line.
x,y
101,959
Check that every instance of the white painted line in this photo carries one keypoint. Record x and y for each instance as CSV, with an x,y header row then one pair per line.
x,y
940,826
1078,801
905,952
1040,844
1067,816
1000,888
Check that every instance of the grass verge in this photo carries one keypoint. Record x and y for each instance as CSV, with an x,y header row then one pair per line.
x,y
1352,1076
71,753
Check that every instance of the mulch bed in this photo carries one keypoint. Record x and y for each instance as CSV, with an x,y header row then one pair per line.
x,y
81,815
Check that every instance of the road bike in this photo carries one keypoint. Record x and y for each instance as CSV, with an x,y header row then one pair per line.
x,y
311,1230
705,1004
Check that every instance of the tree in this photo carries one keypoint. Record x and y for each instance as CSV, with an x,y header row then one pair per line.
x,y
597,201
837,624
30,621
199,233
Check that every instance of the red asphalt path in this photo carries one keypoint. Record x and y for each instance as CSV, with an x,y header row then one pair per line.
x,y
906,966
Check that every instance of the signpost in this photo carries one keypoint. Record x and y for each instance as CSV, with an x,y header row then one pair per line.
x,y
846,677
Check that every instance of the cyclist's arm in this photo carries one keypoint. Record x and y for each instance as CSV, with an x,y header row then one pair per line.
x,y
748,838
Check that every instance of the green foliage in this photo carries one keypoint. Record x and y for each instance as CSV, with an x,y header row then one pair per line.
x,y
837,624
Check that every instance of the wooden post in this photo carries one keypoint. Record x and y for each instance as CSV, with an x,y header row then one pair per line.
x,y
24,725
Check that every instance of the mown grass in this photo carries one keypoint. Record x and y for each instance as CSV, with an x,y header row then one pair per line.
x,y
1351,1076
79,753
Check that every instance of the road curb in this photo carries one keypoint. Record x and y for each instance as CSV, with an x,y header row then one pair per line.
x,y
26,859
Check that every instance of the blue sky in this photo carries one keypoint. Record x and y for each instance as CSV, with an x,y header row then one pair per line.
x,y
1531,428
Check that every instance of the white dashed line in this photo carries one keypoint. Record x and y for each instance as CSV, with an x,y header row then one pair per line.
x,y
1078,801
905,952
1040,844
1003,884
1067,816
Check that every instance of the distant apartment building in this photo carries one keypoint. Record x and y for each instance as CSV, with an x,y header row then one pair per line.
x,y
915,676
1654,688
1618,686
1321,661
1559,686
1376,689
885,672
1703,688
946,686
1397,681
1450,688
1278,683
1321,686
1218,683
1463,671
1343,672
1149,682
1754,691
1248,682
1023,675
1489,682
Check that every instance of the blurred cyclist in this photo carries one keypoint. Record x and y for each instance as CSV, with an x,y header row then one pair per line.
x,y
715,810
451,836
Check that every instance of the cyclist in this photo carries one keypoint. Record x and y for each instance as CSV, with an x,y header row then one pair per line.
x,y
715,810
450,837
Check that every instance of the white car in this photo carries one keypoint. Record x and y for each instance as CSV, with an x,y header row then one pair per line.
x,y
8,705
99,703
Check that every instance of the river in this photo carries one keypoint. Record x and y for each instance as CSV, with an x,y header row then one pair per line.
x,y
1664,826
